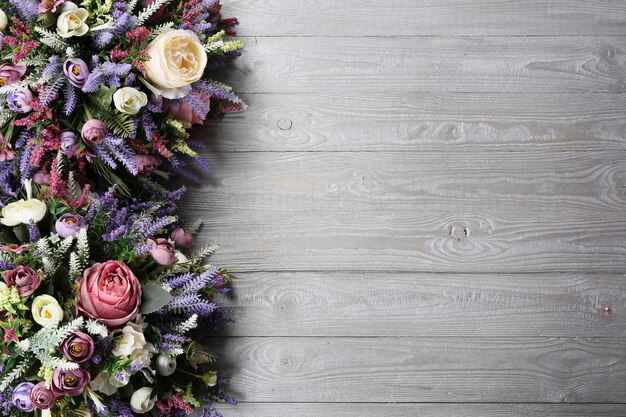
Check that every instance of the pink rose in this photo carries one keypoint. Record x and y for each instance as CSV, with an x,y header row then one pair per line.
x,y
182,238
10,73
93,131
146,164
162,251
109,292
180,110
24,278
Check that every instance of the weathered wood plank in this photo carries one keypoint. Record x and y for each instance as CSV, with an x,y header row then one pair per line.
x,y
383,304
425,369
410,65
427,17
422,122
381,211
419,410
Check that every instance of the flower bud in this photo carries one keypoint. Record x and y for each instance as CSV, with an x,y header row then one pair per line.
x,y
142,401
165,366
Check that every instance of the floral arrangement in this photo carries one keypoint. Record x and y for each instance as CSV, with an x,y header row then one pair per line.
x,y
105,306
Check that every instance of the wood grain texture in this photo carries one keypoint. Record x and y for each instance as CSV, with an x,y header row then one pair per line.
x,y
426,369
406,304
420,410
437,122
425,203
427,17
413,65
437,212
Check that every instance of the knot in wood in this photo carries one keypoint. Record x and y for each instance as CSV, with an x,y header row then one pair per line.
x,y
609,54
606,310
284,124
459,231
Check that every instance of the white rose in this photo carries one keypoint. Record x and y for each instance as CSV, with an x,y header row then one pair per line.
x,y
72,21
46,310
177,59
129,100
23,211
108,384
142,401
143,357
132,340
4,21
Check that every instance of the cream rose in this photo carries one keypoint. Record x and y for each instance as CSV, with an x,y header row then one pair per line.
x,y
72,21
142,400
177,59
129,100
132,340
23,211
4,21
46,310
108,384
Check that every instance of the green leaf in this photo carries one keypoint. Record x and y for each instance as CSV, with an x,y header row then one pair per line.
x,y
103,97
21,232
46,19
154,298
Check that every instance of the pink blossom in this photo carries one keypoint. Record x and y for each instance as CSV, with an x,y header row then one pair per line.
x,y
49,6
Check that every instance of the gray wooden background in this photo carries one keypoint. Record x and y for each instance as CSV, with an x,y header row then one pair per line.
x,y
425,203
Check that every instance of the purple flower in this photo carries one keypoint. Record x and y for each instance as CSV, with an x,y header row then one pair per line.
x,y
69,225
24,278
70,382
42,397
21,397
78,347
10,73
76,71
69,144
18,100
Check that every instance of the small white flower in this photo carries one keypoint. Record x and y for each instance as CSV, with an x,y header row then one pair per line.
x,y
129,100
142,401
46,310
96,401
